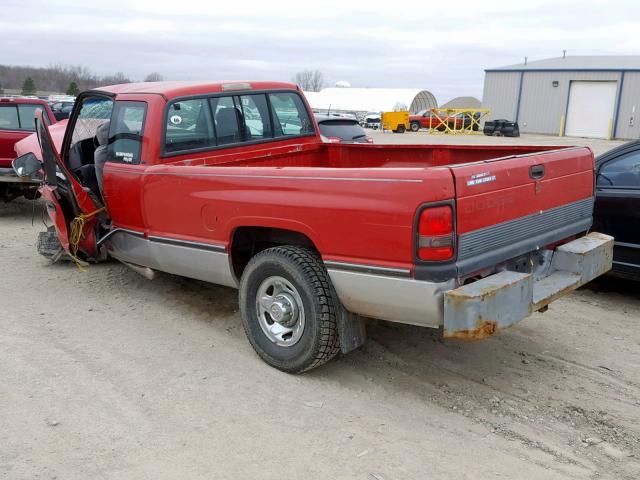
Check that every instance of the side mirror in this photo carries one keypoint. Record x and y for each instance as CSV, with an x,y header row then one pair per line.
x,y
27,165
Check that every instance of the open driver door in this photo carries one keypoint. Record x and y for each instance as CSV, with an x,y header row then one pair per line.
x,y
73,212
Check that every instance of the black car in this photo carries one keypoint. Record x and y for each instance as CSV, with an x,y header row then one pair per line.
x,y
617,208
341,130
62,110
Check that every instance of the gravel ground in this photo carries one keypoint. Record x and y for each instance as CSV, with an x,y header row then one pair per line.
x,y
104,374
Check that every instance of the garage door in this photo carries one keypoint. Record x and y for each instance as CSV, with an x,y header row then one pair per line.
x,y
591,106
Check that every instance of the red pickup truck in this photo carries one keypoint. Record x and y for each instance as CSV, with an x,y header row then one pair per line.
x,y
16,123
428,119
230,183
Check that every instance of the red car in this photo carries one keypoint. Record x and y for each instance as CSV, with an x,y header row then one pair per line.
x,y
230,183
427,119
17,121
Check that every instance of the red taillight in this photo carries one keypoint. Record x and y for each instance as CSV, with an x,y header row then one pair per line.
x,y
435,234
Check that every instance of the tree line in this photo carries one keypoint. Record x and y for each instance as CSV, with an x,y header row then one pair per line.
x,y
70,79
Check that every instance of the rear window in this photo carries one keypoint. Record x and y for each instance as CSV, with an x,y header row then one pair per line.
x,y
189,126
9,117
344,129
19,116
226,120
290,117
27,113
125,132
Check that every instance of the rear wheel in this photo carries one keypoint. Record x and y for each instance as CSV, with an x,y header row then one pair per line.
x,y
401,129
415,126
289,309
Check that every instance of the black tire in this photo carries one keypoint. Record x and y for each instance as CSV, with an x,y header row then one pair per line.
x,y
401,129
304,270
415,126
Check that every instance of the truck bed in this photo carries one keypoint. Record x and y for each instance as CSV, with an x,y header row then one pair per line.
x,y
366,156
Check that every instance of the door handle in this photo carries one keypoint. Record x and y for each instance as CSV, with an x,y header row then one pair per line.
x,y
536,172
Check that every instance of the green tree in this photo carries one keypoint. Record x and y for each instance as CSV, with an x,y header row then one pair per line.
x,y
28,87
73,89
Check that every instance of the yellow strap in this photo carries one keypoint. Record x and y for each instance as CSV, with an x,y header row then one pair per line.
x,y
76,235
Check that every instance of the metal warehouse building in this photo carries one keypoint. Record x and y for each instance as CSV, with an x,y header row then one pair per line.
x,y
585,96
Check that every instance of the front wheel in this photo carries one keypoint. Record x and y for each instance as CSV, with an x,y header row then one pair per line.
x,y
289,309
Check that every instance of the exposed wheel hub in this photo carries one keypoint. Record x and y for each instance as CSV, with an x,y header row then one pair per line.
x,y
284,310
280,311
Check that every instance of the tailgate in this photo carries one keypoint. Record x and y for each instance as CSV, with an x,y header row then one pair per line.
x,y
513,205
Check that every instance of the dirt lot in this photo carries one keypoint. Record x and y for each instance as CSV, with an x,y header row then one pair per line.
x,y
104,374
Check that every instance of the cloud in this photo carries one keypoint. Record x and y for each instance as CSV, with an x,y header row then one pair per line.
x,y
440,46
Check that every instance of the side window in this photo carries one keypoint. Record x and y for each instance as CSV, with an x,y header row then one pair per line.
x,y
189,126
290,117
621,172
27,113
228,120
255,112
9,118
94,112
125,132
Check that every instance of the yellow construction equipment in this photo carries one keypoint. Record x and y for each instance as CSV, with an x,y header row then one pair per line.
x,y
397,122
457,120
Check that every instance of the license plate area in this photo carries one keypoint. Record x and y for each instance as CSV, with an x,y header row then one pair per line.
x,y
477,310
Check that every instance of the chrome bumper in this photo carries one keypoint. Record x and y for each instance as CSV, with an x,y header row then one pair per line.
x,y
7,175
478,309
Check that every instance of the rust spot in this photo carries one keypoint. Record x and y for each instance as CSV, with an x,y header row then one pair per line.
x,y
485,329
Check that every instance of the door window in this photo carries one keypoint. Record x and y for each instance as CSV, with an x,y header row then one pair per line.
x,y
9,117
622,172
290,117
125,133
188,126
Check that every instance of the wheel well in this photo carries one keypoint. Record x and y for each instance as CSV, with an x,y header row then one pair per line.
x,y
247,241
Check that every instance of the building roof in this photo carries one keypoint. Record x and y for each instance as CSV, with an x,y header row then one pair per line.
x,y
183,88
371,99
462,102
576,62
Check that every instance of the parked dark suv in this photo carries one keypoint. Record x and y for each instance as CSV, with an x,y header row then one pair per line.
x,y
342,130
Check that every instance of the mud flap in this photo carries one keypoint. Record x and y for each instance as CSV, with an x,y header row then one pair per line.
x,y
477,310
351,331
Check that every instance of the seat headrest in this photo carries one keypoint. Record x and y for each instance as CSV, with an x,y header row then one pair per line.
x,y
102,133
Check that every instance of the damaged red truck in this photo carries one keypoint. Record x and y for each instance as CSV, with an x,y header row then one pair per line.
x,y
230,183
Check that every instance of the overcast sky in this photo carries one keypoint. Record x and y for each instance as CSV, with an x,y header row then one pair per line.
x,y
441,46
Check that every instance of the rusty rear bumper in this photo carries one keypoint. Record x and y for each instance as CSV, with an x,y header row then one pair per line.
x,y
479,309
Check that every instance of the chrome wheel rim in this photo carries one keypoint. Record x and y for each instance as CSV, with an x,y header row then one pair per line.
x,y
280,311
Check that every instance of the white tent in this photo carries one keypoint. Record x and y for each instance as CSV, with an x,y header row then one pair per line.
x,y
371,99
